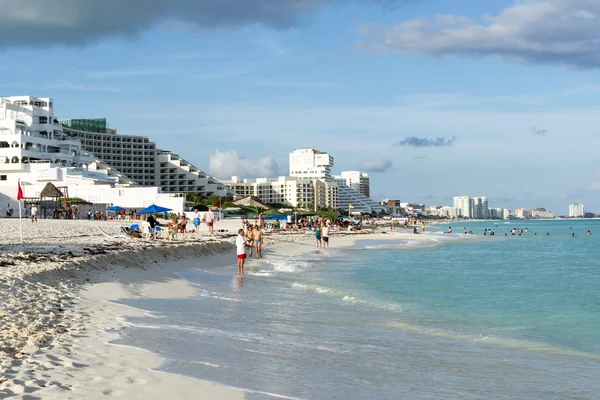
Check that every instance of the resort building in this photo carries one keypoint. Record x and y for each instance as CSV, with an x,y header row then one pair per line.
x,y
499,213
29,133
392,207
443,212
311,164
138,158
472,207
357,180
312,194
360,203
98,186
480,208
465,206
522,213
36,149
307,163
310,185
541,213
576,210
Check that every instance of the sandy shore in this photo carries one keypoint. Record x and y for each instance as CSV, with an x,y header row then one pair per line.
x,y
55,320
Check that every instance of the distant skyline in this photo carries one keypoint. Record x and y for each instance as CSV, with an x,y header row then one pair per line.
x,y
433,99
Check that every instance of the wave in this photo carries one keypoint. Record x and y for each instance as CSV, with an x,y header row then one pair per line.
x,y
354,298
490,340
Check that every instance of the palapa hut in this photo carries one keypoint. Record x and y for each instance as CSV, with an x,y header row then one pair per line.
x,y
50,204
252,201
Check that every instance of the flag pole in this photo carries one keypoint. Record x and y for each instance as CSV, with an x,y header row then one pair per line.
x,y
20,222
19,198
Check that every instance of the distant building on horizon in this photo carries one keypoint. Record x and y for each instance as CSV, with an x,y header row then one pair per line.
x,y
443,211
522,213
541,213
576,210
464,204
499,213
472,207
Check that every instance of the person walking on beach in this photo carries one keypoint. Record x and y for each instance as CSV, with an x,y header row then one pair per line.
x,y
422,226
240,244
33,214
258,240
197,222
325,234
210,220
318,235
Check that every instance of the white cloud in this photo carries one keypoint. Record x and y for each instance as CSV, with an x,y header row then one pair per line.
x,y
562,32
377,165
228,163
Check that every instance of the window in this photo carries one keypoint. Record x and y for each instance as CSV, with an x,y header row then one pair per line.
x,y
43,120
2,177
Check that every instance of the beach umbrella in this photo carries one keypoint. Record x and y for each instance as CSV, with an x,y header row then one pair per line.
x,y
154,209
115,208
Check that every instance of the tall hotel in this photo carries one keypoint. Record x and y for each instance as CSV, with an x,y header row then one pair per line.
x,y
472,207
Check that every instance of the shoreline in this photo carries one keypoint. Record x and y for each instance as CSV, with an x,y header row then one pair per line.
x,y
41,355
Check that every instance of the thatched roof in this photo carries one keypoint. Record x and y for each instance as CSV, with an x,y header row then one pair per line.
x,y
251,201
51,191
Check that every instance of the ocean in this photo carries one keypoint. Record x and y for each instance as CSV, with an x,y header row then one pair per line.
x,y
457,316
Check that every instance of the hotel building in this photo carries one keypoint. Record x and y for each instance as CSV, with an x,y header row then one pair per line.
x,y
138,158
34,150
312,194
359,181
310,185
444,211
576,210
472,207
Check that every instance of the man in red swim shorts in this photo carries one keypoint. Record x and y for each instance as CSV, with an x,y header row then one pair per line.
x,y
240,244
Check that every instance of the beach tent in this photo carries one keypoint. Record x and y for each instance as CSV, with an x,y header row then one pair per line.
x,y
279,217
154,209
115,208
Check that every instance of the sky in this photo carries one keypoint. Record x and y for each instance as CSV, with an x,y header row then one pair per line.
x,y
432,98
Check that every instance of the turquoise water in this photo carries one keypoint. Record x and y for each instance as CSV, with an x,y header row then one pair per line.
x,y
454,316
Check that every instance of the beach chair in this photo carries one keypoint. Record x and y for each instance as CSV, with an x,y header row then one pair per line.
x,y
158,231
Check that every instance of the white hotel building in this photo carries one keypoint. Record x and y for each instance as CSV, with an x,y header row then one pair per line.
x,y
576,210
35,148
310,185
472,207
138,158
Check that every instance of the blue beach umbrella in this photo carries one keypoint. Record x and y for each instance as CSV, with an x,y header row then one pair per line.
x,y
115,208
154,209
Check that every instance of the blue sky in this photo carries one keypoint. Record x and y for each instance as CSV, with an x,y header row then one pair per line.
x,y
436,99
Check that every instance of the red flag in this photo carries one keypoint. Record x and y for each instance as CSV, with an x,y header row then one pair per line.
x,y
20,192
219,203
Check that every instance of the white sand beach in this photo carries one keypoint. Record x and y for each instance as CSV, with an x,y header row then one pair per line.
x,y
56,320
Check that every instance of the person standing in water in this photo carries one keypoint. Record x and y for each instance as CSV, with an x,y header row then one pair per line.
x,y
326,235
318,235
249,239
258,240
240,244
